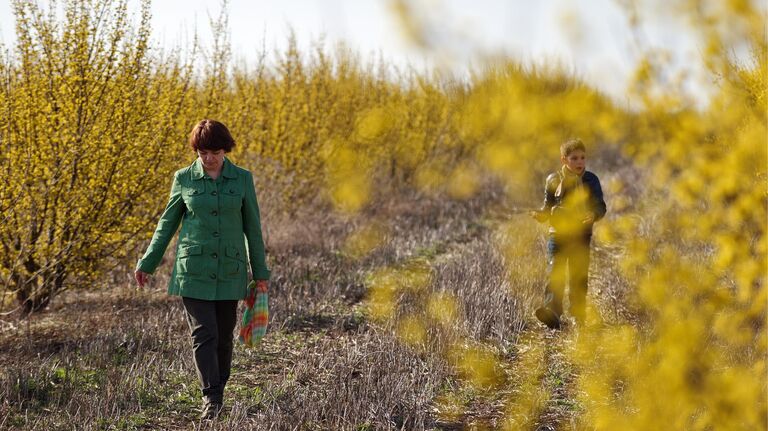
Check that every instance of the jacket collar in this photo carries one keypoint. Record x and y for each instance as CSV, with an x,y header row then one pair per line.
x,y
227,171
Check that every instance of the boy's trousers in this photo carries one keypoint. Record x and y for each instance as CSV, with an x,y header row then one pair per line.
x,y
568,262
211,324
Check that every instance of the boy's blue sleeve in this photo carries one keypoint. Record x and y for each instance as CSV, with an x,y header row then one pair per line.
x,y
598,203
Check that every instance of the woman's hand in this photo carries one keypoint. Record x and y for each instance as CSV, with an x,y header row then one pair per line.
x,y
261,286
141,277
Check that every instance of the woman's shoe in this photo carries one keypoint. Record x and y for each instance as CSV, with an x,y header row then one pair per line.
x,y
211,411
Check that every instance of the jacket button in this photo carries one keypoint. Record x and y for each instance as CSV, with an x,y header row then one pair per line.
x,y
213,276
213,192
214,213
215,234
214,255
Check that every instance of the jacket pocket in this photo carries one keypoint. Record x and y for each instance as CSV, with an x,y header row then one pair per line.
x,y
188,260
231,197
196,199
235,259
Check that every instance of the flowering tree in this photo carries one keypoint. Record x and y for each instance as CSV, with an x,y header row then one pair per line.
x,y
87,114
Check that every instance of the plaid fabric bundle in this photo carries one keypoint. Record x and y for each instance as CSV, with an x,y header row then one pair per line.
x,y
256,315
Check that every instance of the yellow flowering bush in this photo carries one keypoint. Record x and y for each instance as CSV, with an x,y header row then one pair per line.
x,y
87,117
693,245
93,125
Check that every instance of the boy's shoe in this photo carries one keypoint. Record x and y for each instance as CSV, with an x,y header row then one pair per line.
x,y
548,317
211,411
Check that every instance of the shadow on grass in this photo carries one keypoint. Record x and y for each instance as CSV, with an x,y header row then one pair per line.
x,y
311,321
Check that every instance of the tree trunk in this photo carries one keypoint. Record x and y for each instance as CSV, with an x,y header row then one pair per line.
x,y
35,293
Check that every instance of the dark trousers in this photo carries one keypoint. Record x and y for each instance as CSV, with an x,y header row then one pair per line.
x,y
211,324
568,262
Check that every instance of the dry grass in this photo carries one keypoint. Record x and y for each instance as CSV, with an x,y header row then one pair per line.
x,y
120,359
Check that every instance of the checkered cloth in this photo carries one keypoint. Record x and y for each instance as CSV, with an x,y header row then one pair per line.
x,y
256,315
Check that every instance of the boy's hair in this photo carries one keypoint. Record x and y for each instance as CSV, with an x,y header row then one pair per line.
x,y
570,146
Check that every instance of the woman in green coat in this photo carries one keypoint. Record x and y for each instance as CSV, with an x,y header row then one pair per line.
x,y
215,203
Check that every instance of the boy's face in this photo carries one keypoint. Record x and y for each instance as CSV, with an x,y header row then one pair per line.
x,y
575,162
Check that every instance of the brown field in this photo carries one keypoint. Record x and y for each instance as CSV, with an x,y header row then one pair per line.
x,y
121,358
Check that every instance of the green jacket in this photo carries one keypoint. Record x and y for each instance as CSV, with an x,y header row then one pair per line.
x,y
211,255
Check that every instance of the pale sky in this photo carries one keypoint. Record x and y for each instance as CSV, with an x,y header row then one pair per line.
x,y
589,37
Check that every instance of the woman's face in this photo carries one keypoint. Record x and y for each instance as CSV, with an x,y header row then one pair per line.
x,y
212,160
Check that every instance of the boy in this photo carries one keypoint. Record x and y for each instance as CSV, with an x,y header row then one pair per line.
x,y
573,202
